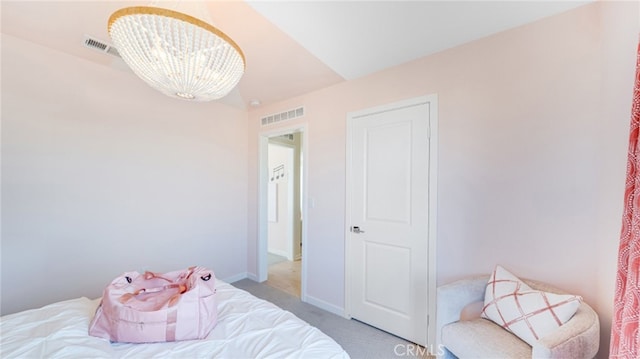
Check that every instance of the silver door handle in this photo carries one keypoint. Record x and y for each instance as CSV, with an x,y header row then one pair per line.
x,y
356,229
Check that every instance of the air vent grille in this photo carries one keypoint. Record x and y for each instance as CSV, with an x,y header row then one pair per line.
x,y
283,116
101,46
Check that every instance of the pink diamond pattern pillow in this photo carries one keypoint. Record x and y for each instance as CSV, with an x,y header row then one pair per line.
x,y
530,314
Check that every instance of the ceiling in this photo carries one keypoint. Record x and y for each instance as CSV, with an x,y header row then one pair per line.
x,y
294,47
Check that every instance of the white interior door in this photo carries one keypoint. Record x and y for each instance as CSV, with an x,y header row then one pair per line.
x,y
387,242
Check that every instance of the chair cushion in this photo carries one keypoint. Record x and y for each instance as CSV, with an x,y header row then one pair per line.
x,y
472,310
481,338
530,314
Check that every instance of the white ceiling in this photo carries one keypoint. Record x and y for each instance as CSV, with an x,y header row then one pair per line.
x,y
294,47
356,38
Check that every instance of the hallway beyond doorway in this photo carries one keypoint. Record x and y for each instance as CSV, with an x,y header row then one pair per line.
x,y
284,274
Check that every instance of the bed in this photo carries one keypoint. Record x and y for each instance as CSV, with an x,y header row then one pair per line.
x,y
248,327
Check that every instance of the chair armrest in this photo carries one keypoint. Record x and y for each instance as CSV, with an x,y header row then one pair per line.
x,y
453,297
578,338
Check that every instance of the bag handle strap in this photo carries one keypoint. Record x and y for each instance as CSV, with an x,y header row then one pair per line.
x,y
151,275
181,289
174,299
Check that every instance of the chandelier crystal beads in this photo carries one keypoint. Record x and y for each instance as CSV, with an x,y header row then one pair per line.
x,y
179,55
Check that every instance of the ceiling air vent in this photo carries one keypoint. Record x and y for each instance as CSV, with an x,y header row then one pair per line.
x,y
101,46
282,116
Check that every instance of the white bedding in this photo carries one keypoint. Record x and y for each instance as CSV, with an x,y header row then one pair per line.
x,y
248,327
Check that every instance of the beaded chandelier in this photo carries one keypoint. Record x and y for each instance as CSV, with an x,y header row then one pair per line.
x,y
177,54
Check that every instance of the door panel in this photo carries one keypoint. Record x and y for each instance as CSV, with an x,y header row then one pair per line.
x,y
389,159
388,172
381,289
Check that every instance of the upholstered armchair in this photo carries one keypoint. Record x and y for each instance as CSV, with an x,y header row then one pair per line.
x,y
464,334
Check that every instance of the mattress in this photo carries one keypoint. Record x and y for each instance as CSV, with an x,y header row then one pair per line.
x,y
248,327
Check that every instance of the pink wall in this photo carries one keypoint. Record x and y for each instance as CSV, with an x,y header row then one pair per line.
x,y
533,126
101,174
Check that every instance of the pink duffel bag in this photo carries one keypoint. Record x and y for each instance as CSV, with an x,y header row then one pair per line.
x,y
154,307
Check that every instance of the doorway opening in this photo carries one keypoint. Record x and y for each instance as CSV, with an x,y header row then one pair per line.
x,y
282,219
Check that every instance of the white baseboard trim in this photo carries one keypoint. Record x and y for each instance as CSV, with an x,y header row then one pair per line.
x,y
235,278
252,276
280,253
324,305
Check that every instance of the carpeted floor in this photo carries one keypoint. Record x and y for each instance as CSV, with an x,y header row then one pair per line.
x,y
357,339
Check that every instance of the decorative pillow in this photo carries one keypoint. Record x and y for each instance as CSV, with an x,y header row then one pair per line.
x,y
530,314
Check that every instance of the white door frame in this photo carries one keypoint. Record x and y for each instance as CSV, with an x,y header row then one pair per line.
x,y
263,181
432,101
